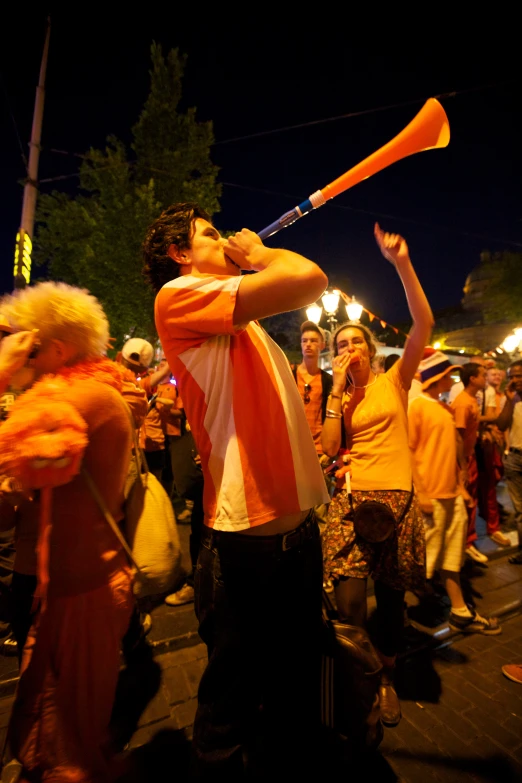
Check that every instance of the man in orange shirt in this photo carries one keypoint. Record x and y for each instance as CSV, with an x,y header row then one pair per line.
x,y
259,575
467,420
314,384
433,445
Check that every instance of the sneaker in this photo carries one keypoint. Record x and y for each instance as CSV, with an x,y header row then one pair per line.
x,y
516,559
328,586
183,596
499,538
9,645
146,622
513,671
475,555
475,624
184,516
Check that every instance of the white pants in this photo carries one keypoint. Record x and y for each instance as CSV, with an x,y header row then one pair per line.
x,y
446,532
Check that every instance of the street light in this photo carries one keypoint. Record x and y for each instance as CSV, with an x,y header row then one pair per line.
x,y
354,310
330,302
511,343
314,313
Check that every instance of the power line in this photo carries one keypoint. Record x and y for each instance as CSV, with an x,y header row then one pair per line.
x,y
374,110
379,214
311,123
94,171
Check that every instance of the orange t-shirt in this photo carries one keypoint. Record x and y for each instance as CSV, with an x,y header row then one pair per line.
x,y
171,424
257,454
433,444
152,437
313,409
376,428
467,415
134,395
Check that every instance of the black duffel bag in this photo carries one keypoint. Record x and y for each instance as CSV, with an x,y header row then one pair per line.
x,y
350,679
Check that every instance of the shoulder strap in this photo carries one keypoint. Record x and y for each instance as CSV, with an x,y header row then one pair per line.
x,y
406,507
141,460
108,516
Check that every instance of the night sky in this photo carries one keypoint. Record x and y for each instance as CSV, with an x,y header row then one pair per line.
x,y
250,77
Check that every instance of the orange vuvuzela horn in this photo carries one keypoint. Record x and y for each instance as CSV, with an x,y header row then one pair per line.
x,y
428,130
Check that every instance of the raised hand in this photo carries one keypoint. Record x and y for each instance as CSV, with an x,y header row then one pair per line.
x,y
15,351
392,246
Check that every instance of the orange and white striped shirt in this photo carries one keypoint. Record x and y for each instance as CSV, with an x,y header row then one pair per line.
x,y
247,418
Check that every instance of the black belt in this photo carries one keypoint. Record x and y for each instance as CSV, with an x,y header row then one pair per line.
x,y
515,451
278,543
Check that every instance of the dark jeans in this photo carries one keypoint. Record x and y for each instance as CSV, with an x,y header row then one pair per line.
x,y
196,528
23,588
513,477
387,636
188,480
259,609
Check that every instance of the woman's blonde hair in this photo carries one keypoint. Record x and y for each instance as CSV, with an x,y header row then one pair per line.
x,y
60,312
368,337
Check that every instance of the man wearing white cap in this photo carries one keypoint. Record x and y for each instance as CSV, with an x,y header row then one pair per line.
x,y
435,463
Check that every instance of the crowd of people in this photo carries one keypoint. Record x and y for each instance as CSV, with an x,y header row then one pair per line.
x,y
296,480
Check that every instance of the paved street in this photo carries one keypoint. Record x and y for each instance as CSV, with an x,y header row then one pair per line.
x,y
462,719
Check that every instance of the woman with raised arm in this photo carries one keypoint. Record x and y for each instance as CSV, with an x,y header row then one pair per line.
x,y
366,413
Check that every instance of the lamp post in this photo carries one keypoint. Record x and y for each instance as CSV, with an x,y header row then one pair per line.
x,y
513,342
330,302
314,313
354,310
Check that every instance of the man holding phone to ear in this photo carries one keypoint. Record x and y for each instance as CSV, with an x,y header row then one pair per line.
x,y
511,418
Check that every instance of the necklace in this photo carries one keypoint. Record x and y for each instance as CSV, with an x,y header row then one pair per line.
x,y
365,385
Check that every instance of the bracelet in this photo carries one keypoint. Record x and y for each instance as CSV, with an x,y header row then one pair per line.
x,y
337,396
330,414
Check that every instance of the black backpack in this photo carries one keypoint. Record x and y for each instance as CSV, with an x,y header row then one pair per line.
x,y
350,679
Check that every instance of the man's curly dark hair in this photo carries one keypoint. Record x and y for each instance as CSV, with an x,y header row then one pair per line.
x,y
174,226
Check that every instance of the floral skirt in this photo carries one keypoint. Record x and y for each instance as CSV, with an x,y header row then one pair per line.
x,y
399,562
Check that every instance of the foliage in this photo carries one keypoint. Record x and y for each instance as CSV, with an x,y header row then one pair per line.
x,y
503,301
93,238
284,329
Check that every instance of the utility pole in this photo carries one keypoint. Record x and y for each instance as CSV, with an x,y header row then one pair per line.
x,y
24,238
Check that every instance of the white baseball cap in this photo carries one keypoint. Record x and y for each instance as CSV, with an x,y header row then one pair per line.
x,y
138,352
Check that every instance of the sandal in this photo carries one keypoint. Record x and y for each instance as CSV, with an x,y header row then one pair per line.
x,y
516,559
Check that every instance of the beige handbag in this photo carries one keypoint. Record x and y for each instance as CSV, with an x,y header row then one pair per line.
x,y
150,534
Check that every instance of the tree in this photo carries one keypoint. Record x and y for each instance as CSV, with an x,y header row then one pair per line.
x,y
93,239
284,329
503,301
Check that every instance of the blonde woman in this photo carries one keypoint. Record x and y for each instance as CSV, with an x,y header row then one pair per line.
x,y
71,659
366,412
